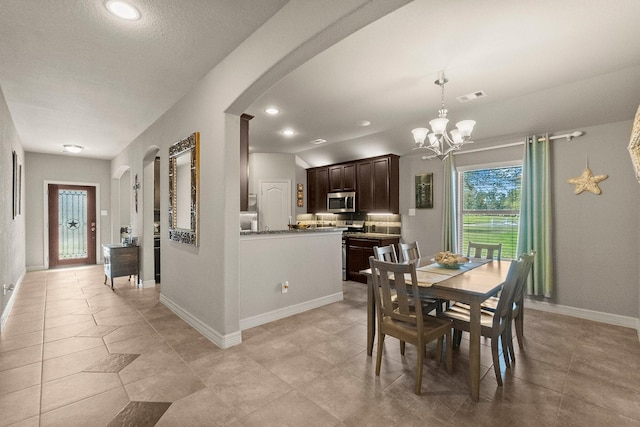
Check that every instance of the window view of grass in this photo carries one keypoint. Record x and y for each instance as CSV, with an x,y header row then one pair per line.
x,y
492,229
490,201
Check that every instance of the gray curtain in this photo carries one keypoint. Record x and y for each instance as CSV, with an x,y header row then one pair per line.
x,y
534,232
449,220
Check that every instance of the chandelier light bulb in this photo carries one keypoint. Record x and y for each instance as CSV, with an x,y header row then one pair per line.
x,y
440,142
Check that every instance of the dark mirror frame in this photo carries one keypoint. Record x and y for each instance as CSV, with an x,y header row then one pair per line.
x,y
191,145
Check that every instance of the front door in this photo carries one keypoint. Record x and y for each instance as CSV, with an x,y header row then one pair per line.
x,y
72,225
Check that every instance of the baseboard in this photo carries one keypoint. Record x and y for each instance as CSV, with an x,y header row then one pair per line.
x,y
281,313
222,341
36,268
596,316
4,316
148,283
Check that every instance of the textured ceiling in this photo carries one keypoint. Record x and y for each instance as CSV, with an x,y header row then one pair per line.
x,y
73,74
545,65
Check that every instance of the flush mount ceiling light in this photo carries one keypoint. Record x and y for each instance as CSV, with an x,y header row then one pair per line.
x,y
318,141
441,143
272,111
364,123
122,10
69,148
288,132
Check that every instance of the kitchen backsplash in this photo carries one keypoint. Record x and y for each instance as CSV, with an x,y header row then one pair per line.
x,y
385,224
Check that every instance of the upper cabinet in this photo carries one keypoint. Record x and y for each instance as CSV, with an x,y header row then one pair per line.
x,y
376,182
342,177
317,188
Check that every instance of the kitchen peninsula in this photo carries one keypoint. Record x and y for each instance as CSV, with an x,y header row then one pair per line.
x,y
285,272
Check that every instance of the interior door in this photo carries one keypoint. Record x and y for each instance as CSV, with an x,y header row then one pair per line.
x,y
72,225
275,204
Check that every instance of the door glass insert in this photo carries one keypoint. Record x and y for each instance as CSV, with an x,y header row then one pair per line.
x,y
72,224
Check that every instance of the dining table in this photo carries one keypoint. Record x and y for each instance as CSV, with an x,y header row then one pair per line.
x,y
471,283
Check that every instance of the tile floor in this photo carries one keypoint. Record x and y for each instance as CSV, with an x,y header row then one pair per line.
x,y
75,353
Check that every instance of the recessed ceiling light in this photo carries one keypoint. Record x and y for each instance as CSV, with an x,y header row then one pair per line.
x,y
272,111
364,123
123,10
288,132
69,148
318,141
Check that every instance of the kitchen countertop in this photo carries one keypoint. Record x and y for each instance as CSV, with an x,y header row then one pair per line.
x,y
293,231
361,235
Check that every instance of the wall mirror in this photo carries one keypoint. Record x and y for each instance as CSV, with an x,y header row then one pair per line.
x,y
184,158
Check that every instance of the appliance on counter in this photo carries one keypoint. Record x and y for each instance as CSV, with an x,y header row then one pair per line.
x,y
248,221
341,202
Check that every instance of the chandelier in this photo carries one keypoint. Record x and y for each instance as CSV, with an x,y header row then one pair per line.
x,y
440,142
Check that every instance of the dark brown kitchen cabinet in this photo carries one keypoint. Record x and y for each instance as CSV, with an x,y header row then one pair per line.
x,y
342,177
317,188
378,181
359,249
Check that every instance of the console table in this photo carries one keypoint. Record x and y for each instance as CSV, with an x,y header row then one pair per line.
x,y
119,261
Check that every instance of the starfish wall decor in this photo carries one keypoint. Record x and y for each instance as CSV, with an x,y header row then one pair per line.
x,y
587,181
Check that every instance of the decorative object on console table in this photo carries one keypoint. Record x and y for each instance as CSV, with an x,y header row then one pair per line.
x,y
424,191
120,261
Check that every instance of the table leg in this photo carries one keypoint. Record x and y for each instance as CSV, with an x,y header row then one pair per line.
x,y
371,316
474,350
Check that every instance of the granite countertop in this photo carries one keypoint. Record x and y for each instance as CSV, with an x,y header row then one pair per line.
x,y
293,231
362,235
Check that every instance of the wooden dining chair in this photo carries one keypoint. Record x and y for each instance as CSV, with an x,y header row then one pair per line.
x,y
385,253
409,251
484,250
517,307
494,325
403,320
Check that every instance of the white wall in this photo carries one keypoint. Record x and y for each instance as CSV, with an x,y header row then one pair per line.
x,y
596,238
68,169
310,262
12,231
203,281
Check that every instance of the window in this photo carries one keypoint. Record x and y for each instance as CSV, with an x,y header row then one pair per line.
x,y
489,206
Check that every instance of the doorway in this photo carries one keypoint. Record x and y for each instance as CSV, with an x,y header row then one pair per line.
x,y
72,225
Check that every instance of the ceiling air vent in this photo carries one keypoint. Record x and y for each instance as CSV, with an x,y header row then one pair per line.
x,y
471,96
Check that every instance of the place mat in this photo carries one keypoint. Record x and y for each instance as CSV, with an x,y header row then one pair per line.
x,y
448,272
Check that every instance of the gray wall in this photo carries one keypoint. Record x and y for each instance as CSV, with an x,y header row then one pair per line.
x,y
596,238
12,231
66,169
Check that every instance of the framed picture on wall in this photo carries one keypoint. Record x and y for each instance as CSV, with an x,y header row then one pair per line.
x,y
16,177
424,191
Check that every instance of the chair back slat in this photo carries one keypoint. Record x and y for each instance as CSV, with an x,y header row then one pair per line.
x,y
409,251
485,250
518,293
388,276
503,310
385,253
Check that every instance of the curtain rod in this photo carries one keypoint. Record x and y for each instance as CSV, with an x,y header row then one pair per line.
x,y
567,136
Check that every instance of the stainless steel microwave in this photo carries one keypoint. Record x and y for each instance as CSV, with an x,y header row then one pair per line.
x,y
341,202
